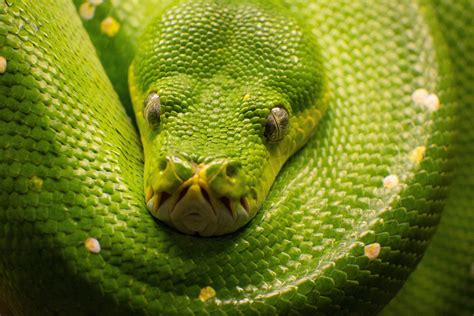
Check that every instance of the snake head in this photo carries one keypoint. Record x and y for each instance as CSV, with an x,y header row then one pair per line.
x,y
224,94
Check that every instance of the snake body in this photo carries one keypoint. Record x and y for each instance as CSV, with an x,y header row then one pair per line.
x,y
346,220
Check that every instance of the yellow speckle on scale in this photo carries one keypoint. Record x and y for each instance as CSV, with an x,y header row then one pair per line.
x,y
419,96
246,97
87,11
418,154
3,64
426,99
390,181
372,251
432,102
36,183
206,293
92,245
109,26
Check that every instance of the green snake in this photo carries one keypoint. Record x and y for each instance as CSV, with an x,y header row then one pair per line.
x,y
292,157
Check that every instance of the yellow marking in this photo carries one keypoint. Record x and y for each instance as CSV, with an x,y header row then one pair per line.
x,y
206,293
87,11
3,64
246,97
36,183
372,251
390,181
92,245
109,26
418,154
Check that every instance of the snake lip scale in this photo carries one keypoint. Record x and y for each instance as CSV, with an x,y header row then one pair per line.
x,y
195,208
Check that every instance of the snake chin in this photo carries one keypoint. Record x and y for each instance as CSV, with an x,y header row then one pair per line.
x,y
194,210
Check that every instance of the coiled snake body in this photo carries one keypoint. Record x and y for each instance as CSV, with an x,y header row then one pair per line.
x,y
224,92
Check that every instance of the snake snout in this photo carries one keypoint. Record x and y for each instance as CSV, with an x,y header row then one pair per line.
x,y
211,201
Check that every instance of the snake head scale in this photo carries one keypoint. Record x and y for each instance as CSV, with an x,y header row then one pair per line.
x,y
224,93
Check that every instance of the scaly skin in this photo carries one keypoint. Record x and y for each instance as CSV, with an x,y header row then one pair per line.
x,y
208,165
72,169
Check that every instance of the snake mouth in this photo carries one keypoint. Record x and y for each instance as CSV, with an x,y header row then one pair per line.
x,y
194,209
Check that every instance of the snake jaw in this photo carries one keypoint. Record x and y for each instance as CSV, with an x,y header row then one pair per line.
x,y
194,209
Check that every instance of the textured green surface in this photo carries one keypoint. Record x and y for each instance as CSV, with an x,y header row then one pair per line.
x,y
71,169
443,283
116,53
67,170
219,69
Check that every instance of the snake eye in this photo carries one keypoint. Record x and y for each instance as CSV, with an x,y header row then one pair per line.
x,y
276,125
152,110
